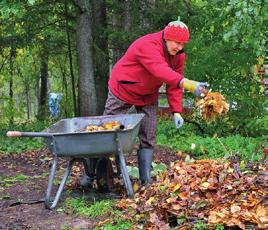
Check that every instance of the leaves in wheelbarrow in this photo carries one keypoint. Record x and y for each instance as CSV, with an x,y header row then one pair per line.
x,y
111,125
206,190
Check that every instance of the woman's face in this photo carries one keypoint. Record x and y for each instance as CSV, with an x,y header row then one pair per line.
x,y
173,47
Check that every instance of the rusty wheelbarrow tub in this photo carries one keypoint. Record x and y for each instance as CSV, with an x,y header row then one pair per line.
x,y
65,139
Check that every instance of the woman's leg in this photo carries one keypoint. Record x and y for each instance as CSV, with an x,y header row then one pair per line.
x,y
147,135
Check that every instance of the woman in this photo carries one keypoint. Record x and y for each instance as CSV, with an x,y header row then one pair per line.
x,y
135,80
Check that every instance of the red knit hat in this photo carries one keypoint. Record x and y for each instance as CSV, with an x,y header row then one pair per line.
x,y
177,31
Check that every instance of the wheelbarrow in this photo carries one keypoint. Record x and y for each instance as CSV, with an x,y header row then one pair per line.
x,y
67,139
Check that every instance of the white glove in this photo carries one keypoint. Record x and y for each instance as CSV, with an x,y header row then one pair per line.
x,y
178,120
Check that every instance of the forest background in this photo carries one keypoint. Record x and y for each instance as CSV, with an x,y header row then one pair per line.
x,y
69,47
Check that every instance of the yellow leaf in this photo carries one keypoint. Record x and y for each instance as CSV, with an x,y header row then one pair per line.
x,y
150,201
205,185
176,187
136,187
166,181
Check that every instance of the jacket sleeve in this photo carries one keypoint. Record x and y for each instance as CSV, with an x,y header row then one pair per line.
x,y
149,55
179,67
174,94
174,97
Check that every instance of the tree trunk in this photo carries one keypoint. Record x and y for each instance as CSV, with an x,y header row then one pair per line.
x,y
64,87
127,15
121,21
146,6
42,104
70,58
26,84
27,90
86,82
188,7
11,93
101,57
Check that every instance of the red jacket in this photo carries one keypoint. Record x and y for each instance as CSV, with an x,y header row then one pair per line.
x,y
138,75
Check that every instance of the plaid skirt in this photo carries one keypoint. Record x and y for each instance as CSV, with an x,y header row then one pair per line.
x,y
147,130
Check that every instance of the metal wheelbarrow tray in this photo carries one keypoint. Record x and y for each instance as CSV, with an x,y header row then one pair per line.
x,y
65,139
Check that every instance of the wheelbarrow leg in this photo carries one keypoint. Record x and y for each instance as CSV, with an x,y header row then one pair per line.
x,y
123,168
125,175
50,183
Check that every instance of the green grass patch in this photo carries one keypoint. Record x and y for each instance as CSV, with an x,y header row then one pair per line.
x,y
14,179
84,208
11,180
189,140
100,209
18,145
117,223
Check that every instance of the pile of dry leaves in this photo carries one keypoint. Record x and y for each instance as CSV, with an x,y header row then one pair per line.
x,y
204,190
213,106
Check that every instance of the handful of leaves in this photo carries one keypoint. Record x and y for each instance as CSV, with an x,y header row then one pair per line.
x,y
212,106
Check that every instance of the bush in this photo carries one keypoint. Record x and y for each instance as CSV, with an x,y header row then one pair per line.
x,y
17,145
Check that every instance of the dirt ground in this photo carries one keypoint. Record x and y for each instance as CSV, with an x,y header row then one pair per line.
x,y
22,199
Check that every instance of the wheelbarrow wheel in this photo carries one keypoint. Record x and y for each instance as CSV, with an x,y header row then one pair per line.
x,y
104,175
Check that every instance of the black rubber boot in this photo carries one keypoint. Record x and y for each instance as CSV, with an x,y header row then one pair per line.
x,y
145,158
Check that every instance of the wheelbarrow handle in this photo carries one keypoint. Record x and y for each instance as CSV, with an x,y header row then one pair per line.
x,y
27,134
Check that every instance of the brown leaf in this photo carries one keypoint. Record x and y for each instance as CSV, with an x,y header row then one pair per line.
x,y
207,185
235,208
183,195
176,207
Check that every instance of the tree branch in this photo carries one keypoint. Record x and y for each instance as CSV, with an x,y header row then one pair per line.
x,y
195,123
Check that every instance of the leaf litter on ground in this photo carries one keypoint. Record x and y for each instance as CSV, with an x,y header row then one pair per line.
x,y
214,191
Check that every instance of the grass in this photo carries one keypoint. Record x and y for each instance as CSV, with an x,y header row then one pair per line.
x,y
99,210
14,179
18,145
84,208
187,139
116,223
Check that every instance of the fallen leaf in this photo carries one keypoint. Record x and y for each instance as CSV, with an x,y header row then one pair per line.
x,y
235,208
136,186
